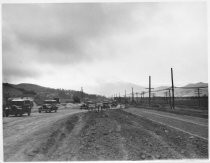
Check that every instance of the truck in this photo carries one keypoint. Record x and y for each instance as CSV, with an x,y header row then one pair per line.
x,y
18,107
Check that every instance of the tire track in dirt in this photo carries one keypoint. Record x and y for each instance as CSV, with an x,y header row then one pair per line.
x,y
70,146
122,144
67,144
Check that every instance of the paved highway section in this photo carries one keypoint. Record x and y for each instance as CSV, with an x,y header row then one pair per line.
x,y
192,125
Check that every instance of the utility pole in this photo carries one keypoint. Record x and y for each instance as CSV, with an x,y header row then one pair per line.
x,y
81,93
198,93
125,96
166,96
136,96
169,96
143,94
149,90
172,89
132,95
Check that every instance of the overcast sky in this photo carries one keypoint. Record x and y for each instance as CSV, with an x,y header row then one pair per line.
x,y
73,45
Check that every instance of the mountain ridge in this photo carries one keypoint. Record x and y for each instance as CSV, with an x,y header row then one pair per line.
x,y
108,89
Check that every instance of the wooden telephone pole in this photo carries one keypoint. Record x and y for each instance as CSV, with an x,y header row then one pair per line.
x,y
169,96
198,93
82,94
149,90
136,96
132,95
172,89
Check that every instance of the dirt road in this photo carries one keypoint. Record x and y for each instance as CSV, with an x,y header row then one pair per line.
x,y
193,125
23,133
108,135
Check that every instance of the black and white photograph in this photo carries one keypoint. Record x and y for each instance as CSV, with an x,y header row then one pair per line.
x,y
104,81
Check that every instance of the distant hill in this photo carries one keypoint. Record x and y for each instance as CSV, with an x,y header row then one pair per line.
x,y
192,91
110,89
189,90
33,87
40,93
200,84
11,90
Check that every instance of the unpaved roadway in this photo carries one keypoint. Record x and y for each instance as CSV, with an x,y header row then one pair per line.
x,y
21,133
72,135
193,125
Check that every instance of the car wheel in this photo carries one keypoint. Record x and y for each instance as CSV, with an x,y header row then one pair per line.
x,y
7,113
16,113
21,113
29,112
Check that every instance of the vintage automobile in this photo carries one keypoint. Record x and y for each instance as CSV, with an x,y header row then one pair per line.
x,y
49,106
114,104
106,105
18,107
91,105
84,106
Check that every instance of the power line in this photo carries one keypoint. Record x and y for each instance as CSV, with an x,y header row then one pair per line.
x,y
191,87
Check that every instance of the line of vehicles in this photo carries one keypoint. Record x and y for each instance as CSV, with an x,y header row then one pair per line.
x,y
90,105
20,106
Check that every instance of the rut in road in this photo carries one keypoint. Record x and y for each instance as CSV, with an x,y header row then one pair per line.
x,y
62,143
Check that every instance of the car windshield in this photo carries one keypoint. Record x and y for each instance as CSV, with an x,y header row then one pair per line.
x,y
18,103
27,102
49,102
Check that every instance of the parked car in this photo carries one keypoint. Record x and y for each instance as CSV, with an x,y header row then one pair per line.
x,y
106,105
84,106
49,106
121,106
91,105
18,107
114,104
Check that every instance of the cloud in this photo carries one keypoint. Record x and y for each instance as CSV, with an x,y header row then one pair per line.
x,y
60,33
19,73
104,41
